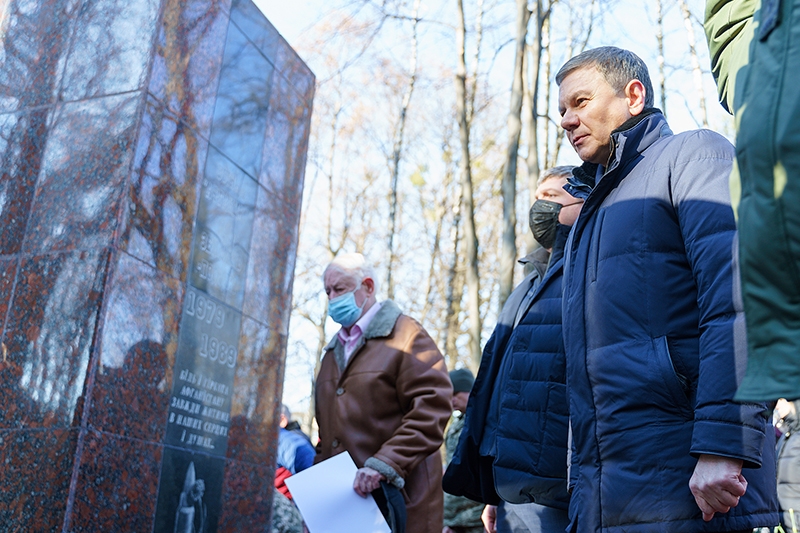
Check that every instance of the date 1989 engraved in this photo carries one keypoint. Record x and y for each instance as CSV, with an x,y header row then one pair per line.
x,y
216,350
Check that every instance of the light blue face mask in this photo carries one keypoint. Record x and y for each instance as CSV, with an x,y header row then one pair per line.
x,y
344,310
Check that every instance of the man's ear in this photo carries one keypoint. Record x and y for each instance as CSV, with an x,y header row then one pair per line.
x,y
635,94
369,283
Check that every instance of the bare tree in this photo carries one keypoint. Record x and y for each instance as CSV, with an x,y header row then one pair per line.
x,y
662,78
698,73
398,148
471,235
508,255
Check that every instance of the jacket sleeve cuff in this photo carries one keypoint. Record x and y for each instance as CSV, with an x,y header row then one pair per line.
x,y
391,475
728,440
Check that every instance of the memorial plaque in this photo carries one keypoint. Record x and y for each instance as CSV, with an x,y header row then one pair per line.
x,y
200,405
199,416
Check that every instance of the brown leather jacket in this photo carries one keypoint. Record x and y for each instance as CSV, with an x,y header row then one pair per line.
x,y
388,408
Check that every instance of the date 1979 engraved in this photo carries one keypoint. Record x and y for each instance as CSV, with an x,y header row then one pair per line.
x,y
204,309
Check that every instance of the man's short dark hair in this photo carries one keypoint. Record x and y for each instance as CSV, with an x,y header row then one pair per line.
x,y
564,171
618,67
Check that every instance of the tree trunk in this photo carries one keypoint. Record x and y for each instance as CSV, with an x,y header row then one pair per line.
x,y
532,94
397,151
475,62
471,235
662,78
547,58
698,74
508,254
454,291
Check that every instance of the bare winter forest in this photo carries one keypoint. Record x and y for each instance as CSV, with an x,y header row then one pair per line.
x,y
432,122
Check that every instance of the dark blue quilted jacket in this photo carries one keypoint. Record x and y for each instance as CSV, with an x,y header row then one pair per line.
x,y
514,444
530,444
654,335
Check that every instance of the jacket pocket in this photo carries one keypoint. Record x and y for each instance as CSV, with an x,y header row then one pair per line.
x,y
676,383
594,248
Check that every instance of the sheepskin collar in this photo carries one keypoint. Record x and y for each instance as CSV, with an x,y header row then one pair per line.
x,y
381,325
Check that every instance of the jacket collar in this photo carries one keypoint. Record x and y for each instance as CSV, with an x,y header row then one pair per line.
x,y
381,325
562,233
537,260
635,136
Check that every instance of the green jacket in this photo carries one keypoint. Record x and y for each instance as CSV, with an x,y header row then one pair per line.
x,y
729,29
755,58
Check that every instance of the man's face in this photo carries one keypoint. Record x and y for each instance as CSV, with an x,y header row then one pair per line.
x,y
338,283
459,401
553,190
590,110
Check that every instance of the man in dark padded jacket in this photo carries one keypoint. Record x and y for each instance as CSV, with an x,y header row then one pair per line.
x,y
653,324
514,444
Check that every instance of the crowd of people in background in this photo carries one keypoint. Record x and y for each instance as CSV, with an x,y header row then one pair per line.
x,y
612,395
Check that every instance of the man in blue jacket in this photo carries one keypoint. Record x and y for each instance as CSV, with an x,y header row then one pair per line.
x,y
653,326
514,443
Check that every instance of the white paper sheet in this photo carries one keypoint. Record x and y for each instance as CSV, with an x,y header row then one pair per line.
x,y
326,499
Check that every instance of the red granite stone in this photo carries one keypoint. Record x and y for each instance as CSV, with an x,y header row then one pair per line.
x,y
247,493
270,270
22,144
130,395
188,58
110,50
163,191
8,273
116,484
35,476
49,335
84,169
30,78
137,136
257,391
242,106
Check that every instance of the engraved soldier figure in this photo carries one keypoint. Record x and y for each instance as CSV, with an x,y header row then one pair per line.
x,y
191,514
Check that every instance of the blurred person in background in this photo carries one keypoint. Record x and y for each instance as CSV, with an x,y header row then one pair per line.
x,y
461,515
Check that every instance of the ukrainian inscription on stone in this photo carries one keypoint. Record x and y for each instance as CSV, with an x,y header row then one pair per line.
x,y
200,405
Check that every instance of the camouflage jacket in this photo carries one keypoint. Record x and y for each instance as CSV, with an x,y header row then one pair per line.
x,y
459,511
285,516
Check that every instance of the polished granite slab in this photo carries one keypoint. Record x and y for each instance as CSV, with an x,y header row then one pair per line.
x,y
152,157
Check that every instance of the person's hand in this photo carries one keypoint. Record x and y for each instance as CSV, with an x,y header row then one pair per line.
x,y
367,480
489,518
446,529
717,484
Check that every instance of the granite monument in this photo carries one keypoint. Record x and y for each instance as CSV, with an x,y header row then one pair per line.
x,y
152,155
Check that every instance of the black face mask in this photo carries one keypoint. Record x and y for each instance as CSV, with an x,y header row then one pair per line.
x,y
543,220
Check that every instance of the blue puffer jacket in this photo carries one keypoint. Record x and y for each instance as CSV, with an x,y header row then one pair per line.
x,y
514,444
654,335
